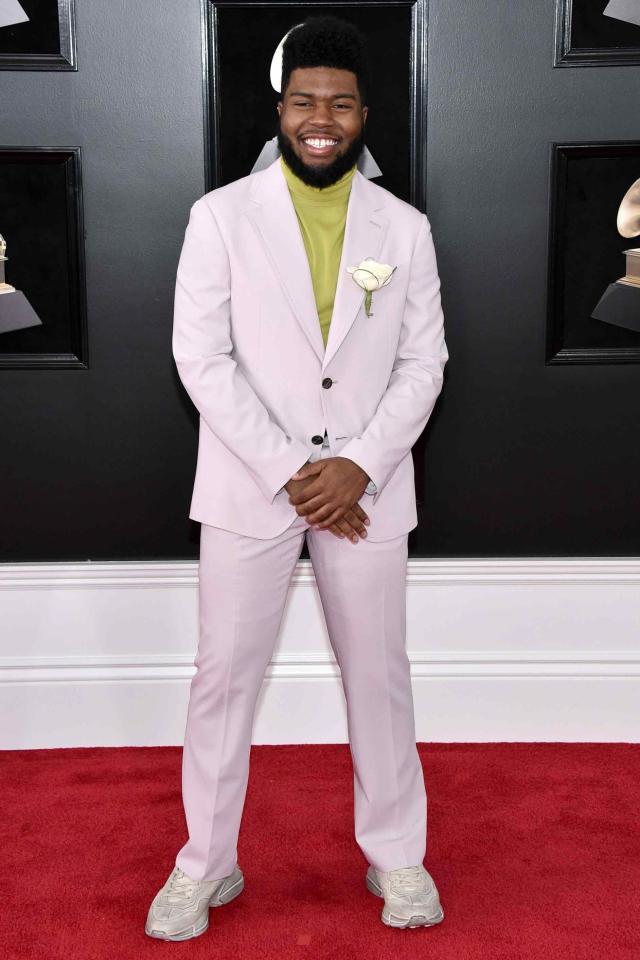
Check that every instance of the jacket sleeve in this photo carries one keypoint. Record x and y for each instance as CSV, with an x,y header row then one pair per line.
x,y
202,347
417,375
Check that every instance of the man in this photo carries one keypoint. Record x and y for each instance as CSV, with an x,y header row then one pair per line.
x,y
311,390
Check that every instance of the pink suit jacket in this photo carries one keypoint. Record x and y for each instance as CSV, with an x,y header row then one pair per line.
x,y
249,350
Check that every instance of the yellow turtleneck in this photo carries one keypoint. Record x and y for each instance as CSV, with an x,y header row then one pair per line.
x,y
321,213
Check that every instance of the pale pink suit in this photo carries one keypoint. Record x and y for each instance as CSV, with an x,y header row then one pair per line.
x,y
249,351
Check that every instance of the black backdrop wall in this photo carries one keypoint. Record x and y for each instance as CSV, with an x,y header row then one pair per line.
x,y
521,458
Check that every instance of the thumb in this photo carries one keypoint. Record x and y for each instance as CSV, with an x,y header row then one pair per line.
x,y
307,470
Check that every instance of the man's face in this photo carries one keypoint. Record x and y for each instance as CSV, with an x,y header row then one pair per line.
x,y
321,104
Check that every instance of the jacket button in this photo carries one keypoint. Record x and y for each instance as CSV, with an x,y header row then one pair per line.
x,y
317,439
326,383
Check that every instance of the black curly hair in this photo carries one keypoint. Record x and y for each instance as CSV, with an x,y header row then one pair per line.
x,y
326,41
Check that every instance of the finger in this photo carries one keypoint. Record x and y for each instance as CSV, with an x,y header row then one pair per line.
x,y
323,513
306,502
306,505
308,470
306,495
348,529
356,523
343,531
357,509
330,517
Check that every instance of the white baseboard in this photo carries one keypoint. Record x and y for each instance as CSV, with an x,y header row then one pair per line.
x,y
101,654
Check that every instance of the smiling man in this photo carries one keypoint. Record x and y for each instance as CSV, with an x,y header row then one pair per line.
x,y
321,135
309,334
321,124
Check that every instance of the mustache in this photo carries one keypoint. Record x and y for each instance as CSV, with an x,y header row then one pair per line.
x,y
319,175
360,139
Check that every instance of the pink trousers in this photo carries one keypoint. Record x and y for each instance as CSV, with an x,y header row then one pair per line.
x,y
243,585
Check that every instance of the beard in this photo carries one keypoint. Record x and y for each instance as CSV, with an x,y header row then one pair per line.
x,y
320,175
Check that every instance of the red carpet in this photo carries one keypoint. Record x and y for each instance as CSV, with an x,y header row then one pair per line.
x,y
535,849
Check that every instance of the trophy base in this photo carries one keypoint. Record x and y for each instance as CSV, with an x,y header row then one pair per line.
x,y
620,306
16,312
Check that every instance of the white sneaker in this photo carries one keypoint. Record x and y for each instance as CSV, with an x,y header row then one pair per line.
x,y
410,896
180,909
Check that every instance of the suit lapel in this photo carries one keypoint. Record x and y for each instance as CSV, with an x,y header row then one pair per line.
x,y
273,214
365,230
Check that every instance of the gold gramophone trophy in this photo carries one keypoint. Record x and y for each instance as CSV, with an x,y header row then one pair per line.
x,y
4,287
620,303
16,313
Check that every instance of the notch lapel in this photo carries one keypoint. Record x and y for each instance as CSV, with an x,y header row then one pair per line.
x,y
274,217
364,233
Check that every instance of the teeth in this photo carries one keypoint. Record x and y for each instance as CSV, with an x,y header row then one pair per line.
x,y
319,143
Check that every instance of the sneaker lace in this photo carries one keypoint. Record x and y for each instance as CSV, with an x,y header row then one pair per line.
x,y
409,877
180,886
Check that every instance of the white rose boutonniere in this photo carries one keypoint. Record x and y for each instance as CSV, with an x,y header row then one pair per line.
x,y
371,275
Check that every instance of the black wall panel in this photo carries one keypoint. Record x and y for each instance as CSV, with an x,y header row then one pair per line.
x,y
521,458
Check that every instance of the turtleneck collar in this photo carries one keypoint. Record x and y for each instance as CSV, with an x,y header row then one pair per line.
x,y
336,191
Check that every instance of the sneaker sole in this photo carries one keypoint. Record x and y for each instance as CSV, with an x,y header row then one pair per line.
x,y
417,920
217,900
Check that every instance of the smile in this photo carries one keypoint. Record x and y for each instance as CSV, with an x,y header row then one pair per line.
x,y
319,146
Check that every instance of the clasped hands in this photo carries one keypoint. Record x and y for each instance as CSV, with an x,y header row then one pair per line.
x,y
327,492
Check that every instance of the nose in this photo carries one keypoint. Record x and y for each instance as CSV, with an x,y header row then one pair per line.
x,y
321,115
